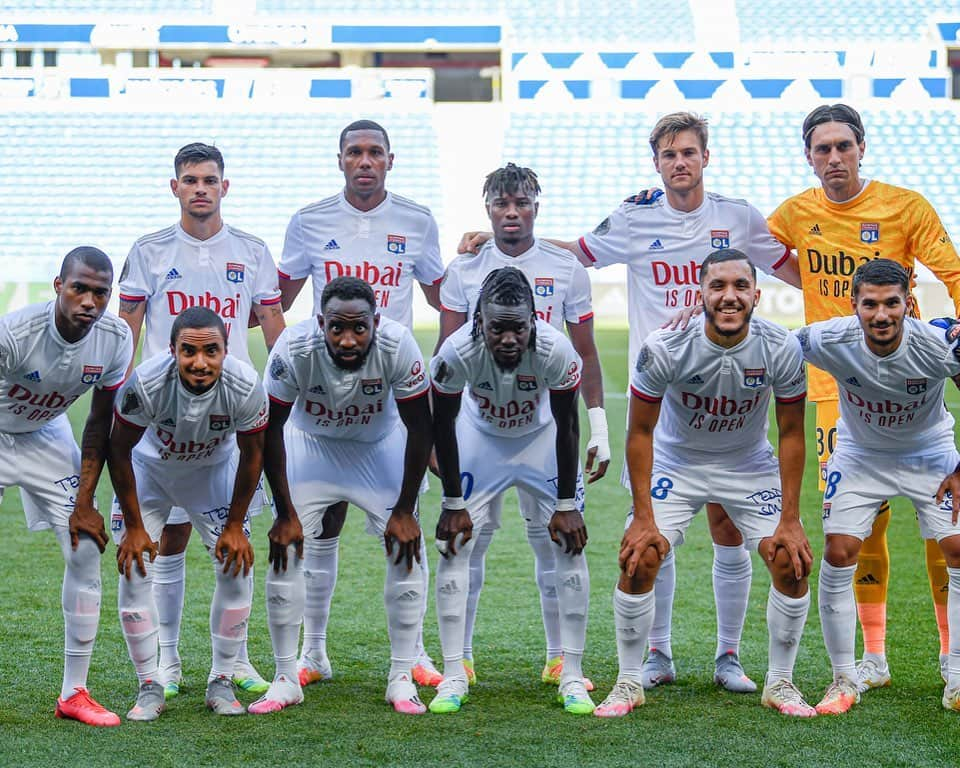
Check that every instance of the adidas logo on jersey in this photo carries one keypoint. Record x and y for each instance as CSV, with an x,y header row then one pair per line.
x,y
317,389
331,246
173,274
853,380
485,385
695,379
168,423
656,245
815,230
33,376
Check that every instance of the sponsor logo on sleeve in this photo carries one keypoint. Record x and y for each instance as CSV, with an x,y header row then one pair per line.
x,y
278,369
602,228
643,359
131,403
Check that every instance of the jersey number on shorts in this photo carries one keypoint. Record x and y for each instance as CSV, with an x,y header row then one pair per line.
x,y
661,488
466,483
832,479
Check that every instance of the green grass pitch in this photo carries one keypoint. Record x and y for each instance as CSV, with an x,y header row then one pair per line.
x,y
511,719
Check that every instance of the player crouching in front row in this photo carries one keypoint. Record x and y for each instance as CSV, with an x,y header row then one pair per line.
x,y
682,453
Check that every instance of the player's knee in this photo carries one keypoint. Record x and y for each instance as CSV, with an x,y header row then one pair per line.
x,y
175,538
722,529
333,520
841,551
284,593
784,575
644,574
83,563
950,546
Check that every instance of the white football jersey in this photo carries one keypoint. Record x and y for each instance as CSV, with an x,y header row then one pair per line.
x,y
185,430
390,247
228,273
511,403
333,402
663,249
560,284
891,404
41,375
714,399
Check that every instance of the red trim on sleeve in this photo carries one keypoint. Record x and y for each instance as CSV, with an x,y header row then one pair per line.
x,y
411,397
445,308
437,281
284,275
125,297
583,246
787,400
643,396
444,394
786,255
571,389
278,400
269,302
584,318
252,431
114,388
118,417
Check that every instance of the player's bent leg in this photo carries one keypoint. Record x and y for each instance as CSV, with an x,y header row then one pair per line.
x,y
139,623
424,671
870,589
284,592
453,574
403,600
658,668
229,614
320,561
950,546
939,589
478,557
573,599
245,675
169,585
838,622
80,600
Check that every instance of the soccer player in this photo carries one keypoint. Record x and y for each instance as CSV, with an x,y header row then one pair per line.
x,y
895,437
351,388
200,261
519,428
391,242
204,413
50,354
655,237
561,295
698,433
834,228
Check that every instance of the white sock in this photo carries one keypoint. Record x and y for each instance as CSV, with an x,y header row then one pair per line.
x,y
663,589
573,604
138,621
320,577
632,618
243,657
80,599
786,617
953,623
284,594
481,543
229,614
169,585
545,568
732,574
453,578
838,618
403,599
421,651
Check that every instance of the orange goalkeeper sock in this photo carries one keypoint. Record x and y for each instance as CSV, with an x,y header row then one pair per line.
x,y
939,588
870,584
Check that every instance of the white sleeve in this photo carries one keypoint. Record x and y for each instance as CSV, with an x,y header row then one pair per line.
x,y
447,372
114,376
409,379
452,296
294,262
766,252
790,382
808,338
650,374
135,283
280,380
609,243
428,266
9,353
133,407
267,288
578,304
564,366
252,415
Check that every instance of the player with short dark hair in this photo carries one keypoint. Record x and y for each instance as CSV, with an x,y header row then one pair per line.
x,y
353,387
188,433
698,433
519,428
200,261
392,243
50,355
895,438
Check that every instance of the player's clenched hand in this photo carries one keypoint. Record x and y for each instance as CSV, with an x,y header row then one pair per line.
x,y
951,485
453,522
404,531
233,549
284,532
471,241
134,543
568,529
85,519
790,536
637,539
682,319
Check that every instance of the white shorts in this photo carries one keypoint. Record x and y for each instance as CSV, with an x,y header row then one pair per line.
x,y
204,492
858,482
748,491
46,466
490,464
322,471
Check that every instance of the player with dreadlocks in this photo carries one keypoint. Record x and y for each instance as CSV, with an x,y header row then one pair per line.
x,y
519,429
561,295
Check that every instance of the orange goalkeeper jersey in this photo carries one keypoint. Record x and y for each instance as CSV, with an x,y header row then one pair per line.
x,y
833,239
